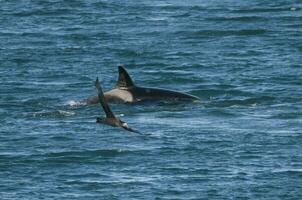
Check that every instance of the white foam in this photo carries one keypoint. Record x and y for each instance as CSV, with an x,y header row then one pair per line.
x,y
293,9
73,103
57,113
66,113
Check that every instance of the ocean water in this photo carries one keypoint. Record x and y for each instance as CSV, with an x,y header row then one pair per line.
x,y
241,58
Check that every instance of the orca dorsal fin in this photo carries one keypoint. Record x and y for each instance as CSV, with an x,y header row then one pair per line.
x,y
124,80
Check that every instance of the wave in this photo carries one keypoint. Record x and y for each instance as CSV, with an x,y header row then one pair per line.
x,y
239,19
265,10
288,171
57,113
221,33
253,101
86,153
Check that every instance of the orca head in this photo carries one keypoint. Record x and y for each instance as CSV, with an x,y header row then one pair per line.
x,y
123,124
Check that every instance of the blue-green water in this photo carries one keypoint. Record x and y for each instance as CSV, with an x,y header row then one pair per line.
x,y
242,58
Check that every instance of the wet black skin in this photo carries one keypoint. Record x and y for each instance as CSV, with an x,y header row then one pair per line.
x,y
127,92
147,94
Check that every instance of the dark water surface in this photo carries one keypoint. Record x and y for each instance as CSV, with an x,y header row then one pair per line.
x,y
242,58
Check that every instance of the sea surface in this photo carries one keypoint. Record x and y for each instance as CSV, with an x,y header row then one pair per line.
x,y
243,59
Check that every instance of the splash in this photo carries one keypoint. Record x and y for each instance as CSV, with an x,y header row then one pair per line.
x,y
73,103
57,113
65,113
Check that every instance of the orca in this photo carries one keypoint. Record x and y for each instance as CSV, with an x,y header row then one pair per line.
x,y
127,92
110,118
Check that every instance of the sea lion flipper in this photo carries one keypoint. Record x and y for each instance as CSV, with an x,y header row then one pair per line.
x,y
110,118
102,100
